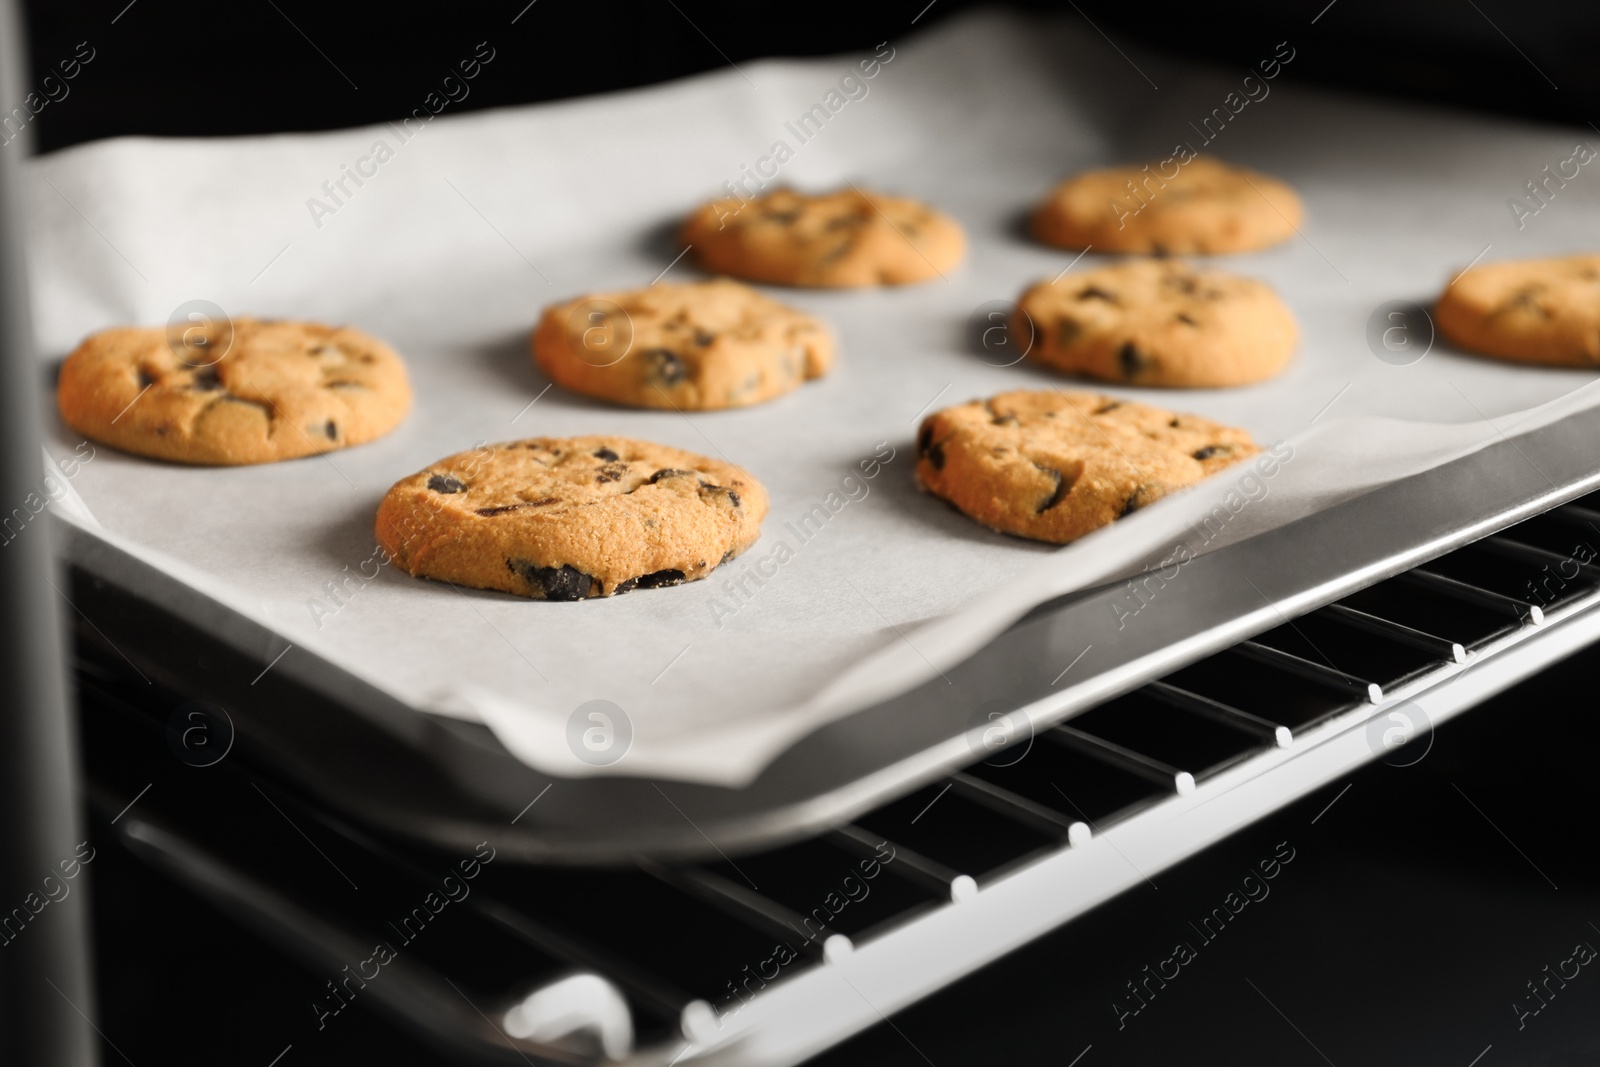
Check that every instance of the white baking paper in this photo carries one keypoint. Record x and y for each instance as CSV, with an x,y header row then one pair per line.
x,y
452,244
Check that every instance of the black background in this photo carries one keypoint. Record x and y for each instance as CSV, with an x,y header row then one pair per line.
x,y
182,67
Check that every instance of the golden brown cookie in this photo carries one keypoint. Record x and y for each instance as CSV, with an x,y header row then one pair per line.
x,y
1157,322
565,518
692,347
842,239
245,391
1531,310
1053,466
1204,207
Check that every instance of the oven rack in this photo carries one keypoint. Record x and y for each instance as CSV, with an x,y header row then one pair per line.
x,y
660,962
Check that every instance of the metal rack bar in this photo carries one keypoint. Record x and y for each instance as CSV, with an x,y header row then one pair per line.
x,y
1473,594
1020,808
1501,545
909,864
1310,670
1394,631
1179,781
1217,711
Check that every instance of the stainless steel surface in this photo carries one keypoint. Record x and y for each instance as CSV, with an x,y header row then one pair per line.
x,y
46,991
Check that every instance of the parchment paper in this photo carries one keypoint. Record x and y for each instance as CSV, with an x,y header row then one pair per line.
x,y
469,227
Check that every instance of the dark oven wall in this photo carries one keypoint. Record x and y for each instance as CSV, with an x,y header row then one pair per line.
x,y
193,68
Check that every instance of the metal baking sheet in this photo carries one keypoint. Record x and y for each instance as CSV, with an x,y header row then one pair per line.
x,y
466,227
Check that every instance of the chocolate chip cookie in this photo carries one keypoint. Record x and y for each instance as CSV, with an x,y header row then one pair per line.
x,y
1532,310
1201,207
566,518
848,238
233,392
1052,466
694,347
1157,322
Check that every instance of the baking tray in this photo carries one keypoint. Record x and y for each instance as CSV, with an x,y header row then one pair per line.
x,y
465,385
451,784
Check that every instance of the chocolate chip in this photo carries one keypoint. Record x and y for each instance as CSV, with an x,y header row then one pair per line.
x,y
611,472
503,508
146,379
1159,250
654,580
1183,318
206,381
607,455
671,472
733,497
1110,406
665,366
1140,497
935,454
1067,331
557,583
1063,486
703,337
446,483
331,430
1214,450
1005,420
1131,361
924,439
782,218
1173,424
726,556
1096,293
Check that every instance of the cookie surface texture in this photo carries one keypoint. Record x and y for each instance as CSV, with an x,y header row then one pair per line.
x,y
1053,466
1157,322
245,391
693,347
1206,207
567,518
849,238
1533,311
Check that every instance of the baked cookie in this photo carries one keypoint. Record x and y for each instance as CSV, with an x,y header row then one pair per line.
x,y
1157,322
565,518
1206,207
1053,466
843,239
1531,310
245,391
693,347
